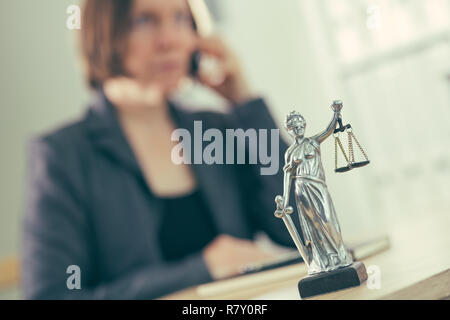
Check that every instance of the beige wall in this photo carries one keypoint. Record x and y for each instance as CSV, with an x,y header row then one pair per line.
x,y
40,87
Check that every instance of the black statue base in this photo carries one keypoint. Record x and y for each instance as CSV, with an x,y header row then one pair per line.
x,y
343,278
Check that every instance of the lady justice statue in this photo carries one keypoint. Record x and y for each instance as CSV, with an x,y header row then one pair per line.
x,y
322,249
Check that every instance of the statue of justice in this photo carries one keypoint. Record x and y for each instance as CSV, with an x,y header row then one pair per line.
x,y
322,247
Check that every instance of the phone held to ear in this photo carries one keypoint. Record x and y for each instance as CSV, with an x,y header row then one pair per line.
x,y
200,62
204,27
195,64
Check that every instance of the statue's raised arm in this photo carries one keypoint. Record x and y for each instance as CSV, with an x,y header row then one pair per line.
x,y
337,107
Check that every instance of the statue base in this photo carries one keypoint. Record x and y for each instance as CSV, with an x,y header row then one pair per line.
x,y
342,278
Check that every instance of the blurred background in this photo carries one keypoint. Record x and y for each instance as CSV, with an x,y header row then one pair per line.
x,y
388,60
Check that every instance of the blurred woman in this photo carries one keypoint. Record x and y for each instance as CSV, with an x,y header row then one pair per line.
x,y
105,196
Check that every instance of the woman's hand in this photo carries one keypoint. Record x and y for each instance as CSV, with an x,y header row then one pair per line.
x,y
128,93
226,255
226,76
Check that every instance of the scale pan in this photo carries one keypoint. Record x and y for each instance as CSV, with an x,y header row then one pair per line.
x,y
343,169
360,164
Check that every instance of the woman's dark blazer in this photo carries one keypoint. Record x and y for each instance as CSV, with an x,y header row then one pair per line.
x,y
88,205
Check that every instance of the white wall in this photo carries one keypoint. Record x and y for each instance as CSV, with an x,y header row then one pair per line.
x,y
396,97
284,50
40,87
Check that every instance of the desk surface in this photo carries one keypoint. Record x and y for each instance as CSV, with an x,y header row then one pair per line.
x,y
417,266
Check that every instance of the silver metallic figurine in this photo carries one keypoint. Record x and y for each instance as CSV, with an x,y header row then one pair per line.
x,y
323,248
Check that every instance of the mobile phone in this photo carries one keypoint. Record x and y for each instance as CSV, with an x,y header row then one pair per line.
x,y
195,64
203,26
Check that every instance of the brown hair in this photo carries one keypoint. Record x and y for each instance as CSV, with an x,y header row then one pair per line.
x,y
103,38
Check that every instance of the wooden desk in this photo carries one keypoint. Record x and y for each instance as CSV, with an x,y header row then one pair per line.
x,y
417,266
9,273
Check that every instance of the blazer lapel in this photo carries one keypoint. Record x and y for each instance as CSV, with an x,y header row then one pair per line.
x,y
106,134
